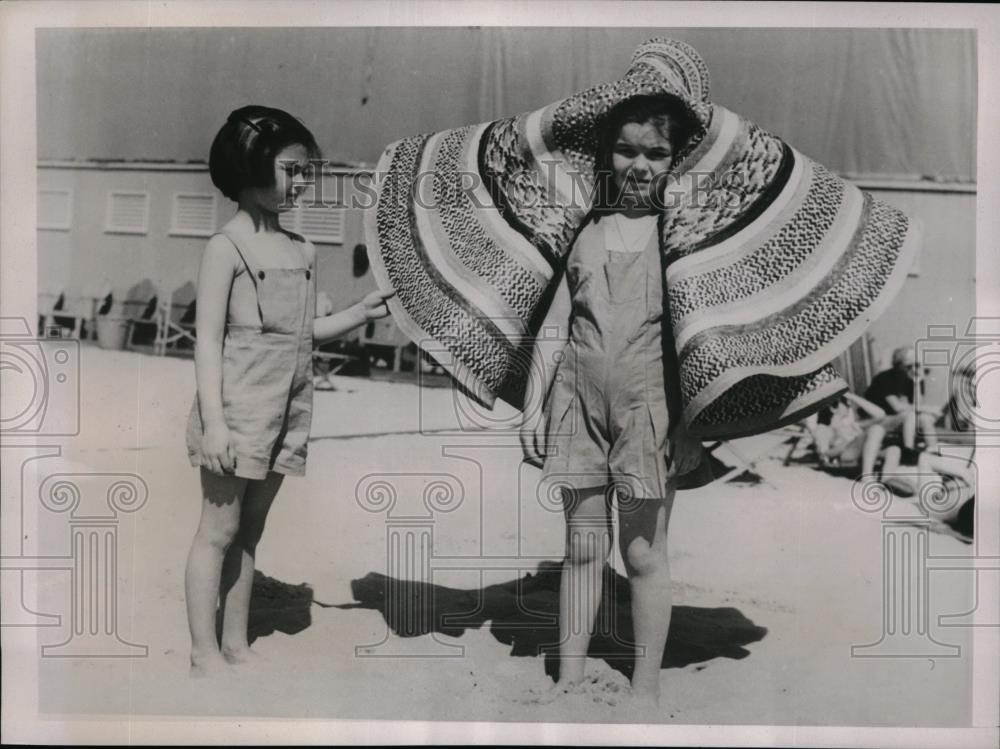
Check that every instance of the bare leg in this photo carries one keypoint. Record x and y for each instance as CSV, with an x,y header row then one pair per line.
x,y
949,465
909,429
892,475
220,518
588,542
643,539
874,436
891,461
927,429
237,571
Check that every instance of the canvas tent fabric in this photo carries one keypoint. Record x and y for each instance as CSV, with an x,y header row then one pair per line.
x,y
774,265
887,102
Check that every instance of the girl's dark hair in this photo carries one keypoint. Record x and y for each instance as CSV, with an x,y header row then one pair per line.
x,y
243,151
671,117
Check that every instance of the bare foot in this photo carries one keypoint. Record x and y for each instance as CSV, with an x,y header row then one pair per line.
x,y
551,693
242,656
206,667
643,701
593,688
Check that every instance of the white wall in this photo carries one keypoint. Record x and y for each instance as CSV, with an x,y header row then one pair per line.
x,y
943,290
86,260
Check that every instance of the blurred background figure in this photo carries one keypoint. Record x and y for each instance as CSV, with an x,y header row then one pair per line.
x,y
894,389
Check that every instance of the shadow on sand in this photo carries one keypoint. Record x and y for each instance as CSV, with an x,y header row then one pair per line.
x,y
523,614
275,606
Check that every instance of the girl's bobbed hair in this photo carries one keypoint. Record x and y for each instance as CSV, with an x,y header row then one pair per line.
x,y
670,115
243,151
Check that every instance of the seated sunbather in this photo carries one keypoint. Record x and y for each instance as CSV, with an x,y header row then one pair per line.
x,y
855,431
894,391
930,473
944,483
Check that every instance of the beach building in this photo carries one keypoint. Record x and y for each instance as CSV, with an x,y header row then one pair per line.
x,y
132,233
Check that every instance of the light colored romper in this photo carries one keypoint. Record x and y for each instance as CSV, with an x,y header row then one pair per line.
x,y
607,415
267,387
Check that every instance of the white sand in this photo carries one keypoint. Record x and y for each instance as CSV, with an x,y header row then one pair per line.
x,y
797,558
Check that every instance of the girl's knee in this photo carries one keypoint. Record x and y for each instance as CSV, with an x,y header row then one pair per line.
x,y
219,533
248,537
643,559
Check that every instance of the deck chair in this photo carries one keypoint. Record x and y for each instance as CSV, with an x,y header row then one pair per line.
x,y
327,363
138,305
144,326
733,458
175,327
47,304
175,320
70,312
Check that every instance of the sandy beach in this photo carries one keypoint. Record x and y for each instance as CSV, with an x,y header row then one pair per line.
x,y
774,580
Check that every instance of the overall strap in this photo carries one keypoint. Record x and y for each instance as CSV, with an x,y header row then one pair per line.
x,y
243,255
250,270
295,240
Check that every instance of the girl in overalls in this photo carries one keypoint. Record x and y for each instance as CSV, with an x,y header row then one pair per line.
x,y
606,430
249,425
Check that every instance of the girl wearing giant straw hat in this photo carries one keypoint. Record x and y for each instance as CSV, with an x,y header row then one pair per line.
x,y
706,271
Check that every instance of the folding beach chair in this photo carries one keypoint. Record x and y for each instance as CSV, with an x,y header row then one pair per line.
x,y
328,362
745,455
175,320
145,326
68,311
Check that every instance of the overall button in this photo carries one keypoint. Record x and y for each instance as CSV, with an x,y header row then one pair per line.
x,y
308,275
260,275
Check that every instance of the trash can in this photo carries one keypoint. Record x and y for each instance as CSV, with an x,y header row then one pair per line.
x,y
112,332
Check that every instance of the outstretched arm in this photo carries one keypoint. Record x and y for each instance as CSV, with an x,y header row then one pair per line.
x,y
372,307
866,405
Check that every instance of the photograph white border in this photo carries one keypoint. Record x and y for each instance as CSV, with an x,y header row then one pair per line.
x,y
18,20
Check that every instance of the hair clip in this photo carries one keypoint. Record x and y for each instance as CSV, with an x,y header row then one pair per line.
x,y
234,117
